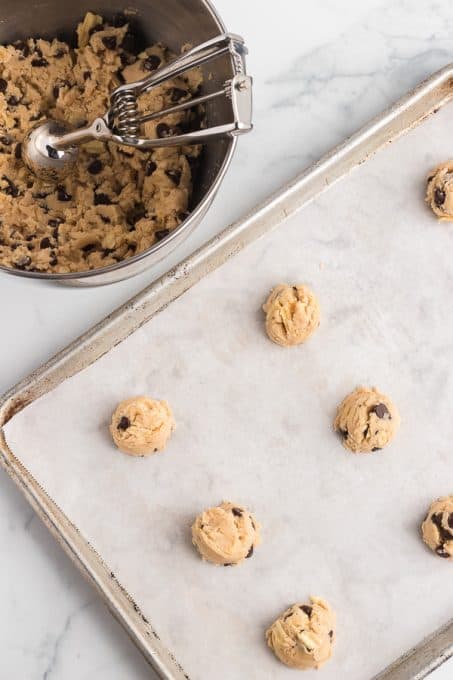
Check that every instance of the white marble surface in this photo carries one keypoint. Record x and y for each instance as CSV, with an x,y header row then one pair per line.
x,y
320,73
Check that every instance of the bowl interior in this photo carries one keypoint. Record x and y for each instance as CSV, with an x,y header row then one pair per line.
x,y
172,22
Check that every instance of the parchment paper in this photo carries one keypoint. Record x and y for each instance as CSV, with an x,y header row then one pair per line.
x,y
254,426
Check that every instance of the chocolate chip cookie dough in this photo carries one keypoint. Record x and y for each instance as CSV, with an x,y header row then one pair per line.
x,y
437,528
142,426
439,191
292,314
226,534
303,636
367,420
118,201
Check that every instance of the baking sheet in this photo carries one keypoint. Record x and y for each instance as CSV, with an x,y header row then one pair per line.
x,y
254,427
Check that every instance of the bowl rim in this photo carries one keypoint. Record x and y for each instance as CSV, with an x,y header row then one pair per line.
x,y
186,225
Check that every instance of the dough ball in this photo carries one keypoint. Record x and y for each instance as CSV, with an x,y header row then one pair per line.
x,y
292,314
437,529
226,534
367,420
141,426
303,636
439,191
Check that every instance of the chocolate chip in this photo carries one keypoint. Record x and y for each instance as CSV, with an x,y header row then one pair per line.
x,y
163,130
119,20
151,166
442,552
121,78
95,167
124,423
237,512
56,92
174,175
450,520
177,94
40,195
106,219
53,260
11,189
89,248
55,224
444,534
22,47
381,411
250,552
109,42
40,62
23,262
52,152
44,243
127,59
228,564
343,433
62,194
102,199
18,151
6,140
306,609
161,234
107,251
287,616
331,634
376,448
12,101
3,85
439,197
86,75
137,213
59,54
151,63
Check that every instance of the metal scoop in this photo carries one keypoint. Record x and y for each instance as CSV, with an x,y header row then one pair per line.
x,y
50,149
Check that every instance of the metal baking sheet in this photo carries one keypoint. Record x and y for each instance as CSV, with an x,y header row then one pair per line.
x,y
254,425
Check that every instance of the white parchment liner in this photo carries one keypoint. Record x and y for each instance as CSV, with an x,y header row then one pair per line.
x,y
254,427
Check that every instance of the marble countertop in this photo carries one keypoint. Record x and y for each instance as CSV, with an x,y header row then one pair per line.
x,y
320,72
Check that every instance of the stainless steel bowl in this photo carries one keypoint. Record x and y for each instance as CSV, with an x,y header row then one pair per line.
x,y
173,22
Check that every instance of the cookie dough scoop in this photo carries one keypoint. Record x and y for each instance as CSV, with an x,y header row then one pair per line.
x,y
50,149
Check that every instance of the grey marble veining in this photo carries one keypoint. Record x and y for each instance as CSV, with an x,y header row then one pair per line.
x,y
320,72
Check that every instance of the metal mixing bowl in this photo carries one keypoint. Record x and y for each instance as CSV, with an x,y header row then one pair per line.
x,y
173,22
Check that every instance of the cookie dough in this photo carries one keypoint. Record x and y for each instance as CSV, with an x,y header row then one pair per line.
x,y
292,314
142,426
226,534
118,201
367,420
439,191
437,528
303,636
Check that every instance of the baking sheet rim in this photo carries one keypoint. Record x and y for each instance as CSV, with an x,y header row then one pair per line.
x,y
412,109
